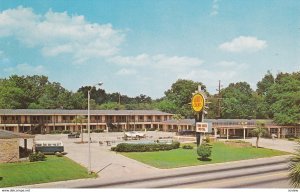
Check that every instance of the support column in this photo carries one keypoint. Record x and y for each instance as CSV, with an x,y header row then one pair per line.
x,y
65,127
227,134
215,131
278,133
25,146
244,133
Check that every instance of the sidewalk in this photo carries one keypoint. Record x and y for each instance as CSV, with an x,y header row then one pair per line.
x,y
159,174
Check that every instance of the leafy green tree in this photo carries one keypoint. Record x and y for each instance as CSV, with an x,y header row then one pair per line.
x,y
166,106
264,85
259,131
10,95
180,95
112,105
98,95
284,95
213,107
238,101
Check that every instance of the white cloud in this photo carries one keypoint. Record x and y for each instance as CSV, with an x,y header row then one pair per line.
x,y
244,44
126,72
231,65
215,8
157,61
26,69
59,33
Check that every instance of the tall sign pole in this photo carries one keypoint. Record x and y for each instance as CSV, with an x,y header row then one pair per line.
x,y
198,103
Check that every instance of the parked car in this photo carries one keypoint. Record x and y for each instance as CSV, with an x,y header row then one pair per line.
x,y
135,134
74,135
49,147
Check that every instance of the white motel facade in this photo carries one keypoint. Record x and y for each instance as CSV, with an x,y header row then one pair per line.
x,y
38,121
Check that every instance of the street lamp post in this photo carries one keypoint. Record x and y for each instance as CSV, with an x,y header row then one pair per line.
x,y
89,132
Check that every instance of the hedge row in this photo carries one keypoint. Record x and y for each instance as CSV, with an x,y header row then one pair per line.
x,y
131,147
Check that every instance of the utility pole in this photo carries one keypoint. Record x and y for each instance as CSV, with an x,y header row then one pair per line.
x,y
219,99
119,98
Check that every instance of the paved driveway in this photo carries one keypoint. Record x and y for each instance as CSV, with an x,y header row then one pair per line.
x,y
278,144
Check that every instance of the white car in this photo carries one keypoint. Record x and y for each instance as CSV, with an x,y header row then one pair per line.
x,y
135,134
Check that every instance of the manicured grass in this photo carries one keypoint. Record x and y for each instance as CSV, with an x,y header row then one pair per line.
x,y
188,157
53,169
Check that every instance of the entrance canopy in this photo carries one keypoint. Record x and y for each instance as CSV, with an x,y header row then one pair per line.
x,y
11,135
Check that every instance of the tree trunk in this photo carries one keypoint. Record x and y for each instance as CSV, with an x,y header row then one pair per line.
x,y
257,138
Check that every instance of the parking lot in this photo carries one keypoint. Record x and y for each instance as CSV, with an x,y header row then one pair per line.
x,y
103,161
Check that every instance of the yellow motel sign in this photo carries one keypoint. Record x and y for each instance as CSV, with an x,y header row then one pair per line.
x,y
198,102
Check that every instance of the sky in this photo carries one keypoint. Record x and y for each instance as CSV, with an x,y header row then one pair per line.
x,y
143,46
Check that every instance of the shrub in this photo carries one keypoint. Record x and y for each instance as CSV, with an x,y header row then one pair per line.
x,y
207,139
37,157
113,148
175,144
58,154
187,147
204,151
66,131
131,147
98,130
56,132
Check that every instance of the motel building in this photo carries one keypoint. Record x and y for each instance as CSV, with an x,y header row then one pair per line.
x,y
40,121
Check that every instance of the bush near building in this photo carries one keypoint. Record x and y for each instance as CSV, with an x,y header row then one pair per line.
x,y
98,130
131,147
37,157
187,147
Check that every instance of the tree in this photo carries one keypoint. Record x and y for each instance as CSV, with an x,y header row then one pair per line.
x,y
166,106
112,105
259,131
180,95
80,120
264,85
294,169
238,101
98,95
284,96
10,95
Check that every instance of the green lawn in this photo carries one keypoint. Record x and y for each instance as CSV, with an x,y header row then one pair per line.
x,y
53,169
184,157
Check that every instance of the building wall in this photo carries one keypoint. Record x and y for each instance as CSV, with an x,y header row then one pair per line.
x,y
9,150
